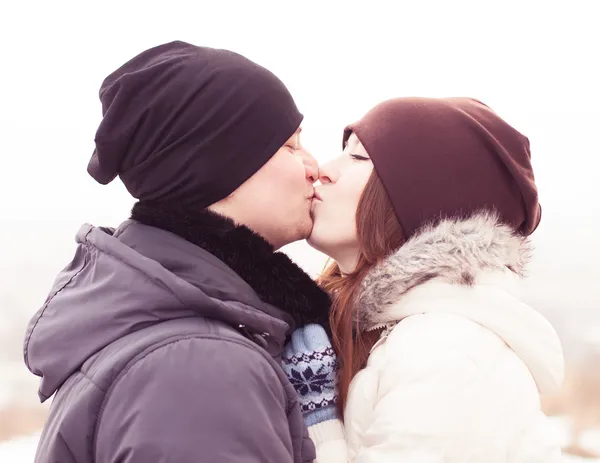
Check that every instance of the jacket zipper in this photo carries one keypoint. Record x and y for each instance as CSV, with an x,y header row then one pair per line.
x,y
388,328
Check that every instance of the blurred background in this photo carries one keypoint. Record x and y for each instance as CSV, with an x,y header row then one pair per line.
x,y
535,64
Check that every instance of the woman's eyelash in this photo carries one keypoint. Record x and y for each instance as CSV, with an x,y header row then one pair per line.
x,y
358,157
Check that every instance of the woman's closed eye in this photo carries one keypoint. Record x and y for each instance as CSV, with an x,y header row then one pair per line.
x,y
358,157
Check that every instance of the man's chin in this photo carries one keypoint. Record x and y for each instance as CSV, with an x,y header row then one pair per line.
x,y
302,231
306,230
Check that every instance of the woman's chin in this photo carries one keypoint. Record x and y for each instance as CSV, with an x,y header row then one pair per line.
x,y
314,241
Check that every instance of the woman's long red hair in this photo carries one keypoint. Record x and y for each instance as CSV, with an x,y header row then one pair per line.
x,y
379,234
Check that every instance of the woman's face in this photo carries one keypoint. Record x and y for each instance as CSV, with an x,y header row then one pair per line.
x,y
336,200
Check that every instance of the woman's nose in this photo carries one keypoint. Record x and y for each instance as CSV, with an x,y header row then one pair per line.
x,y
327,173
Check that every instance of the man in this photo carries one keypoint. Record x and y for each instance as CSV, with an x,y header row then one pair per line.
x,y
161,340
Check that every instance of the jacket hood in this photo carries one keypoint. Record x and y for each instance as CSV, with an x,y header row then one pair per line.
x,y
127,279
472,268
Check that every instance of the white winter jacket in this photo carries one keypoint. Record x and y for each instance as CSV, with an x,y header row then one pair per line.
x,y
457,375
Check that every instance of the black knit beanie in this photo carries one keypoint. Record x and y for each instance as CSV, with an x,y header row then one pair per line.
x,y
189,124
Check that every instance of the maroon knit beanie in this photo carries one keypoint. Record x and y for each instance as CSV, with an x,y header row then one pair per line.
x,y
189,124
448,158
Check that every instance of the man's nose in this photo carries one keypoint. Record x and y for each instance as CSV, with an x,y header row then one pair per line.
x,y
311,166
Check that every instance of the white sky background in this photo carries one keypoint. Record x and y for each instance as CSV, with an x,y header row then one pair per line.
x,y
536,64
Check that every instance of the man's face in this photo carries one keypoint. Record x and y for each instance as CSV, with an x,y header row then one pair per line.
x,y
276,201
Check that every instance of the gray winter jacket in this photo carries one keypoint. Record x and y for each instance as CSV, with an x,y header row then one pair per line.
x,y
158,351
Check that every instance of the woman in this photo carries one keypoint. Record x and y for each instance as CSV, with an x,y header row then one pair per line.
x,y
426,215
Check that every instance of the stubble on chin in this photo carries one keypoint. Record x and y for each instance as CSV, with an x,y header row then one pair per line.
x,y
293,232
305,229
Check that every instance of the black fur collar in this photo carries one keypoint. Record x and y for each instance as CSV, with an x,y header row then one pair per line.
x,y
274,277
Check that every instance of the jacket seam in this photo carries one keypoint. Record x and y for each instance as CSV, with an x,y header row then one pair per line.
x,y
50,299
85,375
65,443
